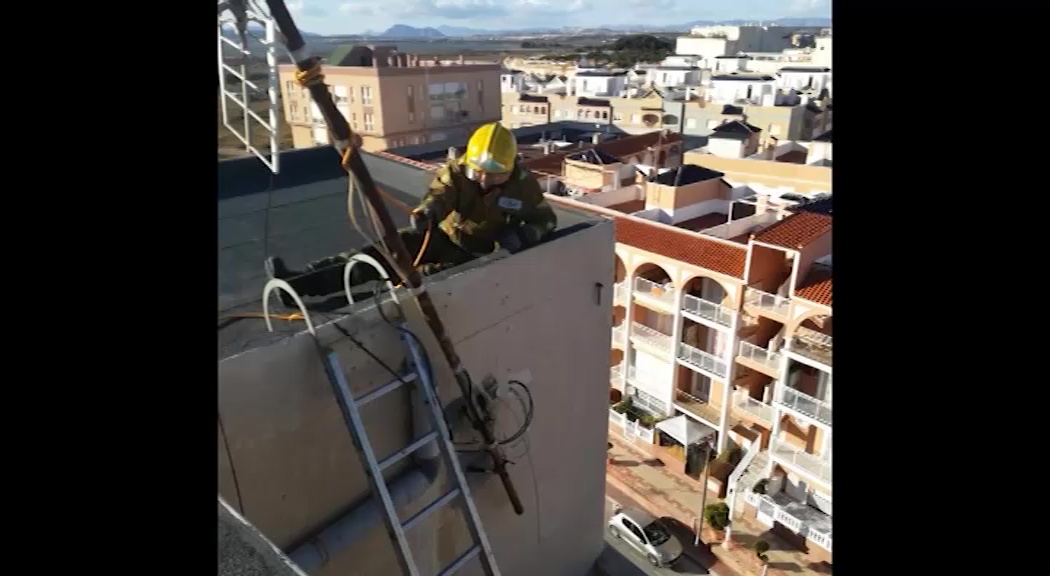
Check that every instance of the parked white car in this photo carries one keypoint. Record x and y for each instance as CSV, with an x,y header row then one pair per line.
x,y
647,534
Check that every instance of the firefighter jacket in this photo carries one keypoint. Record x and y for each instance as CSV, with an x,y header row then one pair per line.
x,y
474,219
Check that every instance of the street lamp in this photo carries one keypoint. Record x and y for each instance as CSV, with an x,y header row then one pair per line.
x,y
703,488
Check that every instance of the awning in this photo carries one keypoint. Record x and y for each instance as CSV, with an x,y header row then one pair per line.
x,y
685,430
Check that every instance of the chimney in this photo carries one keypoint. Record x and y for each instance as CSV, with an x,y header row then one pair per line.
x,y
375,61
437,61
390,60
451,152
462,60
413,60
596,138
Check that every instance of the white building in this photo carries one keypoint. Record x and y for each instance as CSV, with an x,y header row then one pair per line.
x,y
598,83
512,81
736,139
729,64
755,88
820,150
814,78
712,41
665,75
822,53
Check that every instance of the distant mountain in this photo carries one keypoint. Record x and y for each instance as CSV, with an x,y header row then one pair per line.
x,y
462,31
402,31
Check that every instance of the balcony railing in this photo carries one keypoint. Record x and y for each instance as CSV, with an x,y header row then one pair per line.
x,y
649,289
621,294
616,376
654,338
812,344
646,381
800,459
618,335
805,404
760,355
697,407
632,430
703,360
755,408
708,310
769,302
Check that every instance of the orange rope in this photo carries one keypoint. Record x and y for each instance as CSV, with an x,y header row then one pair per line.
x,y
404,207
287,317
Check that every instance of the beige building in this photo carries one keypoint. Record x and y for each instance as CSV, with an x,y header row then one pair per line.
x,y
635,115
722,331
392,99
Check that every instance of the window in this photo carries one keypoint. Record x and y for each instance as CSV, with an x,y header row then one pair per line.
x,y
289,87
636,118
411,105
366,95
617,117
295,113
605,115
353,119
369,122
690,122
579,113
339,94
350,94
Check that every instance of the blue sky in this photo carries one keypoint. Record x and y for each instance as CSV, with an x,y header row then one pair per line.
x,y
354,16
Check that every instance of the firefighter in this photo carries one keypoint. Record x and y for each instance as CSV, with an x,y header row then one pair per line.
x,y
476,204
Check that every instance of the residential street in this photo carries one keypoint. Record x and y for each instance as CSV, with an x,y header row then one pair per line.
x,y
619,559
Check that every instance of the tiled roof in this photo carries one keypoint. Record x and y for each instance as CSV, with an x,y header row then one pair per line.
x,y
672,243
816,287
796,231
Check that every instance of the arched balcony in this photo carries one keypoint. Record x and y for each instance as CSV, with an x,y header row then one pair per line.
x,y
652,311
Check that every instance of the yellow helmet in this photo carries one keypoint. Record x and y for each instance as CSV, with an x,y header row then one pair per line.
x,y
492,148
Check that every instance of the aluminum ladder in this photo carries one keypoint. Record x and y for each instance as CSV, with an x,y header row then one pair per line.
x,y
374,468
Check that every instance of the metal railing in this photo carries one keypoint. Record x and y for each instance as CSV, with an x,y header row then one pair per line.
x,y
703,360
800,459
766,301
618,335
616,376
652,337
818,410
650,289
759,355
708,310
756,408
621,294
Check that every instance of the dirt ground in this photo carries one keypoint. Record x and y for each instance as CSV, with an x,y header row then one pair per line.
x,y
231,147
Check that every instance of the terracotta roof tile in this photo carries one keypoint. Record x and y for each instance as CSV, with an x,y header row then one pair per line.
x,y
816,287
796,230
680,245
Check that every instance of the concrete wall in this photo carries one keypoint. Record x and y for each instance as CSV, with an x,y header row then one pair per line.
x,y
538,316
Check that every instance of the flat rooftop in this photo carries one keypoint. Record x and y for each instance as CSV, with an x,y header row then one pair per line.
x,y
301,216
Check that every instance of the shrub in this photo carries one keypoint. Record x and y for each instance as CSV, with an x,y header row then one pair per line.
x,y
761,547
717,515
647,420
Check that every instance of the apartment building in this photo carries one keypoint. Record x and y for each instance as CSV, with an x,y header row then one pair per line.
x,y
777,176
720,305
286,462
393,99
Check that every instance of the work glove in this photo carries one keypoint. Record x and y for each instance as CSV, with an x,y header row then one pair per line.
x,y
510,240
421,220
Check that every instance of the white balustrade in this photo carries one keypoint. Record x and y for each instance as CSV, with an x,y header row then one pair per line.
x,y
649,289
766,301
755,408
813,465
760,355
654,338
703,360
804,404
709,310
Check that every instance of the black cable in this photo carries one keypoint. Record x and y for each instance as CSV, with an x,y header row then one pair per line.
x,y
233,469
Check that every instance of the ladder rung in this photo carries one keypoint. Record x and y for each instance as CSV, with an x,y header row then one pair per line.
x,y
397,456
366,398
459,562
430,509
